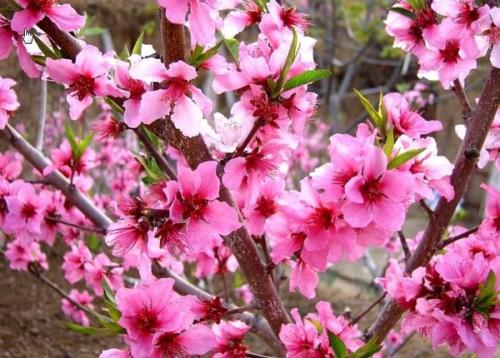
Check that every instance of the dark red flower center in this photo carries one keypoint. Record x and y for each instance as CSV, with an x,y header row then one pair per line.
x,y
83,87
146,321
266,207
136,89
292,18
425,18
450,52
28,211
323,217
264,110
177,87
171,236
3,207
169,345
40,5
371,191
467,15
253,12
194,207
213,310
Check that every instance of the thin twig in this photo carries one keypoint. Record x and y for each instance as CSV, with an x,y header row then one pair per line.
x,y
248,308
453,239
256,355
404,245
368,309
464,101
76,226
426,208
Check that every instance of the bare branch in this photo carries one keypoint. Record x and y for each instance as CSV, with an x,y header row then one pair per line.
x,y
404,245
368,309
453,239
42,115
464,101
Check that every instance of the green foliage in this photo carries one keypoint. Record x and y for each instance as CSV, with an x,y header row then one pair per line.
x,y
154,174
306,78
198,57
290,59
78,147
367,350
337,345
404,157
46,50
377,116
233,46
487,297
89,29
137,49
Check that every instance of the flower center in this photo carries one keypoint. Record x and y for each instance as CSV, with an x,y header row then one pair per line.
x,y
450,52
177,87
146,321
291,18
323,217
168,344
28,211
136,89
83,87
468,15
266,207
40,5
193,207
371,191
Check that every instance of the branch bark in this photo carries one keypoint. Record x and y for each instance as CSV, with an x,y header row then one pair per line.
x,y
465,164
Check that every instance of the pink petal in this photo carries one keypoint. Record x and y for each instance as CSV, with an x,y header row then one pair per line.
x,y
149,70
389,215
90,62
222,218
175,10
65,17
62,71
131,116
357,215
76,107
209,185
187,117
197,340
201,100
201,25
234,172
26,62
182,70
154,105
234,23
5,43
375,163
25,20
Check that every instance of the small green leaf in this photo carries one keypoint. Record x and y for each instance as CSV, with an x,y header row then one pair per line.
x,y
84,144
114,105
487,296
290,59
375,117
402,11
233,46
108,291
124,53
417,4
71,137
337,345
93,331
367,350
93,243
197,59
404,157
39,60
137,49
306,78
46,50
389,142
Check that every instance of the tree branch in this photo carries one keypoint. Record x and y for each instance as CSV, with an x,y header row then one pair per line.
x,y
465,165
463,235
464,101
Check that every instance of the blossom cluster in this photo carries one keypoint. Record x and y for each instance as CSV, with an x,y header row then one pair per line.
x,y
447,36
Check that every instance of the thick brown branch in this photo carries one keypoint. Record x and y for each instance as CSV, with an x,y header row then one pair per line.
x,y
465,164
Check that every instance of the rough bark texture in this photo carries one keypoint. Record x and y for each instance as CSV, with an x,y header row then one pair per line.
x,y
465,165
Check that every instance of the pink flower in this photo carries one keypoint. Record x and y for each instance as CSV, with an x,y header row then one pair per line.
x,y
86,77
8,100
203,17
75,260
196,340
493,34
26,210
301,338
229,337
64,16
79,316
179,99
264,206
103,268
21,254
8,39
116,353
136,88
237,20
464,13
377,194
127,235
196,202
10,165
490,227
453,54
404,120
147,310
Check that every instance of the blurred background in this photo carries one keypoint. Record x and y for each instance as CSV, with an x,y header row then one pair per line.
x,y
351,41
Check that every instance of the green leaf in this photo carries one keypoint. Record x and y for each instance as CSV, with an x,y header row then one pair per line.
x,y
113,311
389,142
417,4
137,49
233,46
124,53
403,11
306,78
92,31
375,116
197,59
39,60
153,171
487,296
290,59
93,243
337,345
404,157
71,137
46,50
114,105
93,331
108,291
367,350
84,144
